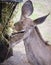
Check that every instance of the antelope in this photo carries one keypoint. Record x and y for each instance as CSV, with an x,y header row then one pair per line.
x,y
37,50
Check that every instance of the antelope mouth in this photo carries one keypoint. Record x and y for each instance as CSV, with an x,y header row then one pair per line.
x,y
18,32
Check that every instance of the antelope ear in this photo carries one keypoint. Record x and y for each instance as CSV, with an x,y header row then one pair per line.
x,y
41,19
27,8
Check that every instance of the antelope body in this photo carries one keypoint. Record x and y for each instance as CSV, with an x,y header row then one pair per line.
x,y
37,51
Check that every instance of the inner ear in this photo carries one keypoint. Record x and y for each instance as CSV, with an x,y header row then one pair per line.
x,y
41,19
27,8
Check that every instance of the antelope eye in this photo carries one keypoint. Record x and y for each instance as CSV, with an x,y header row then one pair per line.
x,y
22,22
